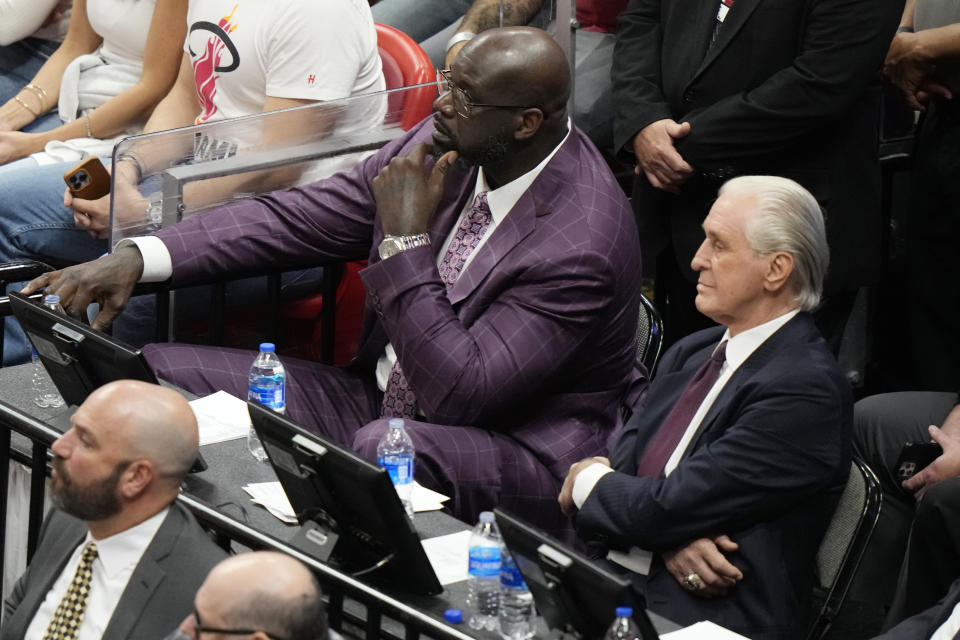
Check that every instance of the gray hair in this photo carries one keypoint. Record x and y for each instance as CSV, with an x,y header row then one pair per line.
x,y
788,219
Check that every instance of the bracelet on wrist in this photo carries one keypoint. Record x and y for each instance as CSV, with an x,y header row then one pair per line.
x,y
904,29
134,161
26,106
456,38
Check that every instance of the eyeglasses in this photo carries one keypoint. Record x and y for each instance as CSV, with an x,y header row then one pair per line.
x,y
198,628
461,100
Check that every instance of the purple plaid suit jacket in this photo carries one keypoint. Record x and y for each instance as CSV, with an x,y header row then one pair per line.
x,y
537,336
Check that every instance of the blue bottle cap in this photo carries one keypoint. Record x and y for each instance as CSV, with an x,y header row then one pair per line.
x,y
396,423
267,347
453,616
486,516
624,612
50,298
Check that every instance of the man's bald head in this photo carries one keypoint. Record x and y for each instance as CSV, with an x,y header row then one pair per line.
x,y
153,423
265,591
521,66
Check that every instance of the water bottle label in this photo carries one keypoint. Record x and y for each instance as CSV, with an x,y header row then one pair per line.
x,y
270,397
400,468
484,562
511,578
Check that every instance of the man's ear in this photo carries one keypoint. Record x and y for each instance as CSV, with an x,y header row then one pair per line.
x,y
529,123
136,478
779,270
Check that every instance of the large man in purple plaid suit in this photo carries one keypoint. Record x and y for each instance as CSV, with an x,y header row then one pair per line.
x,y
528,349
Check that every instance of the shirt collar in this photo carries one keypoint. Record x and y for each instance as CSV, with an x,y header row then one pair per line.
x,y
125,549
502,199
746,342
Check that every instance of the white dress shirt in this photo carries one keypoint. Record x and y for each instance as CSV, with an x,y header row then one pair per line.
x,y
739,348
117,557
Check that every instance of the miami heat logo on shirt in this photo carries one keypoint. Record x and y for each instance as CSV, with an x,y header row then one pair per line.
x,y
219,55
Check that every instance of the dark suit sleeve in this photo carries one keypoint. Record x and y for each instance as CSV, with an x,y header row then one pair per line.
x,y
842,48
462,374
327,221
785,445
635,73
926,622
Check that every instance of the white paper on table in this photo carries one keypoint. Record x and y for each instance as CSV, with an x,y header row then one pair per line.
x,y
221,417
424,499
448,556
705,630
270,495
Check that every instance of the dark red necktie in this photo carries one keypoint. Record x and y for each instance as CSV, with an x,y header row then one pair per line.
x,y
671,430
398,398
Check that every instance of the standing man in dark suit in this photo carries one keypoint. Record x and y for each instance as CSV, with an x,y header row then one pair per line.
x,y
727,474
503,288
706,90
116,558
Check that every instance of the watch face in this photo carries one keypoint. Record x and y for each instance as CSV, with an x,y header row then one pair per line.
x,y
389,246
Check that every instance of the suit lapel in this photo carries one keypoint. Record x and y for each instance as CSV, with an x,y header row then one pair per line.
x,y
514,228
521,220
731,26
145,579
791,331
45,571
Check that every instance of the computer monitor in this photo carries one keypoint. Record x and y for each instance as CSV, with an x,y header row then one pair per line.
x,y
573,594
348,508
78,358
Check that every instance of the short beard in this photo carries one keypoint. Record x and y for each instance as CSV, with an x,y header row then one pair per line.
x,y
496,149
95,502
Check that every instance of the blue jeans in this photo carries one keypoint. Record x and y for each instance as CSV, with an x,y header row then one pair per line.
x,y
35,225
19,62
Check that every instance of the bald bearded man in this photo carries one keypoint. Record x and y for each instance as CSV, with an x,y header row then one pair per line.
x,y
116,558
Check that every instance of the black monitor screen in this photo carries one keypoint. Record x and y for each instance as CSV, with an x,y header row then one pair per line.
x,y
572,593
348,506
78,358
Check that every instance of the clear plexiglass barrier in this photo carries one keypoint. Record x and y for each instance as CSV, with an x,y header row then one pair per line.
x,y
161,178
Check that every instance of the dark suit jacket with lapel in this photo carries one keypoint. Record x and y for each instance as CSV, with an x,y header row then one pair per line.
x,y
922,625
790,88
160,591
535,338
766,467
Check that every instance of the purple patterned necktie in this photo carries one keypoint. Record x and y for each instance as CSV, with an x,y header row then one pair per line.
x,y
398,398
668,436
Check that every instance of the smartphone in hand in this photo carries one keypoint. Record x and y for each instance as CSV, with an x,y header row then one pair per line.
x,y
916,456
88,180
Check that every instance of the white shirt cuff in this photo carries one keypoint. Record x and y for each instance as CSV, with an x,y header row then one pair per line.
x,y
157,265
586,480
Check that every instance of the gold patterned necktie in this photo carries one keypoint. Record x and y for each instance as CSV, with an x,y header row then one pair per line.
x,y
69,614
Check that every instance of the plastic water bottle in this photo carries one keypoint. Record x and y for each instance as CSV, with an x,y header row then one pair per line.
x,y
267,379
483,595
518,618
395,453
623,628
45,393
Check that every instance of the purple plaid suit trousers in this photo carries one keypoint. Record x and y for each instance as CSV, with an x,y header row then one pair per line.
x,y
398,399
668,436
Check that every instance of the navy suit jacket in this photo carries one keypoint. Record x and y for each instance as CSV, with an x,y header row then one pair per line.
x,y
537,336
766,467
160,591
